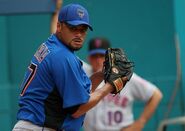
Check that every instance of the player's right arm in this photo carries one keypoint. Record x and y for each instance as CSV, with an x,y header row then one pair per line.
x,y
95,97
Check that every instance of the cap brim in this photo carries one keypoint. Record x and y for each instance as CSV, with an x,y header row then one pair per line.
x,y
97,51
78,22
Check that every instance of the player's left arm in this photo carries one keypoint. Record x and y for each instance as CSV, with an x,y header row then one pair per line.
x,y
54,17
149,110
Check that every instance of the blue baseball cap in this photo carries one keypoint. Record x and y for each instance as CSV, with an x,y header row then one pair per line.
x,y
74,14
98,46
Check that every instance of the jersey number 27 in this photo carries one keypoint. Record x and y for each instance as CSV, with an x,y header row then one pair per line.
x,y
32,68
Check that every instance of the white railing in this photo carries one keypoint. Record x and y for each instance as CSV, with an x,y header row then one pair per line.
x,y
173,121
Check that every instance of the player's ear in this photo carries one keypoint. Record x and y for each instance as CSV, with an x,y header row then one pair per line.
x,y
88,58
59,26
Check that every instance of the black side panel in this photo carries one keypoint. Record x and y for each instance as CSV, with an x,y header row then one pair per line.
x,y
54,112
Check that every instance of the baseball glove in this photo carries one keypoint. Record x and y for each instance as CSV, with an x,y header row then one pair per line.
x,y
117,69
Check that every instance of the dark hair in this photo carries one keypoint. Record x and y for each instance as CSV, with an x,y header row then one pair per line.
x,y
98,43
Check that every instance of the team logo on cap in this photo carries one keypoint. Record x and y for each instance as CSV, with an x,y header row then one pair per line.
x,y
80,13
97,43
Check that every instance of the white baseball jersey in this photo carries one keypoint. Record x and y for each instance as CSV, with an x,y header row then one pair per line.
x,y
115,112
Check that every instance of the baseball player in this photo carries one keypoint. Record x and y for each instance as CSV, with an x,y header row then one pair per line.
x,y
55,93
115,113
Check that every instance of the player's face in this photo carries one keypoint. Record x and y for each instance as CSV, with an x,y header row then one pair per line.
x,y
96,61
73,36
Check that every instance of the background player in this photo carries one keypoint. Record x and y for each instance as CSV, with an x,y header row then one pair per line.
x,y
115,113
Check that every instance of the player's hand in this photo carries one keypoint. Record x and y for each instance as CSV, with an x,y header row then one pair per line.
x,y
96,79
136,126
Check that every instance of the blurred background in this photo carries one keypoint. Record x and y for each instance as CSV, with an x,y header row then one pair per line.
x,y
152,32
